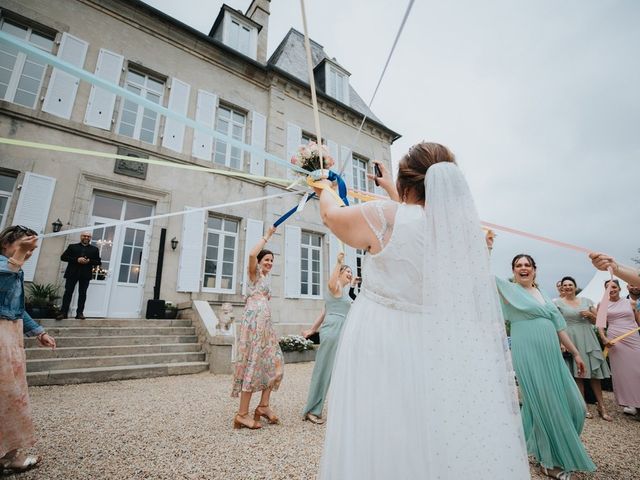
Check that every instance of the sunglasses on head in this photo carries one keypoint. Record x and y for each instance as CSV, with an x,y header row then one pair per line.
x,y
26,230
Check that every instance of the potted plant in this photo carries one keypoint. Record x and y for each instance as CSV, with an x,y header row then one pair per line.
x,y
296,348
40,300
170,310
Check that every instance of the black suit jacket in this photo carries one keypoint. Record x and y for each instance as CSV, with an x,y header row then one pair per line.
x,y
78,270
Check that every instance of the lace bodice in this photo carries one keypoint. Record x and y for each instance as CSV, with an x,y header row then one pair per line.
x,y
393,277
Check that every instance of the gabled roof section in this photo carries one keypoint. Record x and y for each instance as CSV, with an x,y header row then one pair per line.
x,y
290,57
238,13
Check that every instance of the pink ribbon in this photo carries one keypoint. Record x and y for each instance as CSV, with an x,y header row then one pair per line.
x,y
601,317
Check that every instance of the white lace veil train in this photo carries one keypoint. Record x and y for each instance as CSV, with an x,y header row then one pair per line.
x,y
459,288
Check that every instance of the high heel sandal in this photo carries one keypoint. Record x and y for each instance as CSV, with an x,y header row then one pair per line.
x,y
603,414
14,465
559,475
243,421
260,412
314,419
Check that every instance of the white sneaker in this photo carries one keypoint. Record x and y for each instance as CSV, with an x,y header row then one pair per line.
x,y
630,410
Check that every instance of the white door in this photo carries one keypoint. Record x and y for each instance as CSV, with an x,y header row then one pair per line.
x,y
117,288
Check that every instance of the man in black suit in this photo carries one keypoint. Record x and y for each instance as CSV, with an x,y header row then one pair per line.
x,y
81,258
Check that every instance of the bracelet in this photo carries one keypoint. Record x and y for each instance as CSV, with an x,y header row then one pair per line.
x,y
40,335
15,262
265,239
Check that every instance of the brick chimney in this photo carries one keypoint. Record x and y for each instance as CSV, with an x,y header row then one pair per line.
x,y
258,11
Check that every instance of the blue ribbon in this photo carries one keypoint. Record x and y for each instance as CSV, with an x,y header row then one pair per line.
x,y
342,192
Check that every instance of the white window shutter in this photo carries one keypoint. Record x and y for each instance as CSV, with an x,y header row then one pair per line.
x,y
350,258
292,238
345,159
33,211
334,249
102,102
190,266
259,140
61,93
294,137
252,235
205,114
173,137
334,151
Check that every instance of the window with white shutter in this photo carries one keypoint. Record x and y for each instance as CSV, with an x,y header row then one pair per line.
x,y
192,242
205,114
62,89
258,140
232,123
310,264
253,232
7,185
33,211
360,169
21,75
220,255
136,121
294,139
292,237
173,137
102,102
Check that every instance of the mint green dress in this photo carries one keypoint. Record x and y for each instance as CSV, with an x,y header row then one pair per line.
x,y
583,336
552,408
336,309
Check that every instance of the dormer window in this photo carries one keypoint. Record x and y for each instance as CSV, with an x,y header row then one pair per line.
x,y
337,84
238,32
333,79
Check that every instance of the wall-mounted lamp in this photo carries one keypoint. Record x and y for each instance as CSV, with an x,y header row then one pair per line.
x,y
174,243
57,226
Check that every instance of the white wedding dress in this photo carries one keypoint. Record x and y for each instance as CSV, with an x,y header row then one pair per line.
x,y
422,386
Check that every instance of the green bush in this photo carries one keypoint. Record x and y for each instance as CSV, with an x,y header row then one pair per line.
x,y
295,343
42,295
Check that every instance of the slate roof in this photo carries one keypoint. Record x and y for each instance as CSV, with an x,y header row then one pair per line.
x,y
290,57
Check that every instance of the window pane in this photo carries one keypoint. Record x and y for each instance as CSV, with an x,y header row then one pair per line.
x,y
136,257
315,290
317,240
123,276
228,255
7,183
39,40
138,210
107,207
214,222
135,77
15,30
134,275
304,289
230,226
139,238
128,236
305,239
210,267
227,268
229,242
25,99
238,118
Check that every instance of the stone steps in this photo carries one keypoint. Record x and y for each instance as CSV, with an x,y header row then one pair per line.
x,y
112,361
39,353
101,350
108,374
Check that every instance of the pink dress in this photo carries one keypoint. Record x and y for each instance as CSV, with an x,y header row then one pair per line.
x,y
624,355
260,362
16,426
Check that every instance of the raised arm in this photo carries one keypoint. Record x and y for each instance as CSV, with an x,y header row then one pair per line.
x,y
252,267
603,261
347,223
385,181
334,286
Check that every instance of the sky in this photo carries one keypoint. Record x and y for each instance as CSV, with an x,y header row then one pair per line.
x,y
538,99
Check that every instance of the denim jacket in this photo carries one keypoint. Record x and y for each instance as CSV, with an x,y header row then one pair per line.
x,y
12,299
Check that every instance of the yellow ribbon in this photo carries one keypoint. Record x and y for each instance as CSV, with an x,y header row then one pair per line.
x,y
324,186
152,161
605,352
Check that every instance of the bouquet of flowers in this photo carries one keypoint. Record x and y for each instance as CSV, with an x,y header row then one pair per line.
x,y
307,157
295,343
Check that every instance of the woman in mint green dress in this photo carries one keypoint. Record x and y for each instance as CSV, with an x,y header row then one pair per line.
x,y
337,304
580,317
553,410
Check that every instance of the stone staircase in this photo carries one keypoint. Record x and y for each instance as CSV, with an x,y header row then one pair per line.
x,y
101,350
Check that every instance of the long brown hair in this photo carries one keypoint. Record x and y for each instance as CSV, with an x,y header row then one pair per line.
x,y
414,165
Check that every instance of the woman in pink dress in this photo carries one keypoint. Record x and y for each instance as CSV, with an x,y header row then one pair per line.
x,y
624,355
259,366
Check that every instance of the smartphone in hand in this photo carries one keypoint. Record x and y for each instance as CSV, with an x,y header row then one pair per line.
x,y
378,173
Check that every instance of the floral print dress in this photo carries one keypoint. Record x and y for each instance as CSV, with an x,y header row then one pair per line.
x,y
260,362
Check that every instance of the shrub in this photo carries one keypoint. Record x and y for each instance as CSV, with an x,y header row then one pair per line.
x,y
295,343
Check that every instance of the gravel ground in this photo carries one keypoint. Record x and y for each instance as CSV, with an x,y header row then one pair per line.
x,y
180,428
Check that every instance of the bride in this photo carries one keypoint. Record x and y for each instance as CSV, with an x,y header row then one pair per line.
x,y
422,386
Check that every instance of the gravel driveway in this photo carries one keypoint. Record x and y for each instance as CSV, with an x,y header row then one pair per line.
x,y
180,428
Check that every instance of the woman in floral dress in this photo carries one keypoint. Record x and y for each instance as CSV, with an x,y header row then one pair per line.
x,y
259,365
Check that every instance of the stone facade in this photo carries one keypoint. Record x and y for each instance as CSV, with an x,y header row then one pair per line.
x,y
161,48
